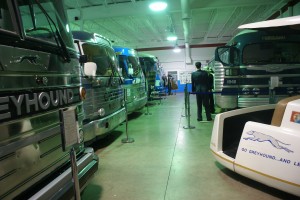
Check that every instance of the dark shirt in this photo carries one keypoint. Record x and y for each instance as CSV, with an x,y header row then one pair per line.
x,y
200,81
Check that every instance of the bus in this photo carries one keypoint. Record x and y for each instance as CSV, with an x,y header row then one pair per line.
x,y
104,106
257,67
153,72
40,96
133,77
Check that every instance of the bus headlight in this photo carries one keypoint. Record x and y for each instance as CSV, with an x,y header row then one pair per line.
x,y
82,93
101,112
256,91
245,91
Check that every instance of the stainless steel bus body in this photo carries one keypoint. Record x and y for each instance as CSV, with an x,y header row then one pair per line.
x,y
103,107
134,80
152,70
257,67
39,79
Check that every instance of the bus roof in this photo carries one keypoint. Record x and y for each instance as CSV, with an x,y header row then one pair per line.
x,y
146,55
125,51
287,21
90,37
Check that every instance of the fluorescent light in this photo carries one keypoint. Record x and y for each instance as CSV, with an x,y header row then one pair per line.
x,y
158,6
172,38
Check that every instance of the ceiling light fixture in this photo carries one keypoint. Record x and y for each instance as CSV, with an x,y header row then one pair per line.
x,y
158,6
172,38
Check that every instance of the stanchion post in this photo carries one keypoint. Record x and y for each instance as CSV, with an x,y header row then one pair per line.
x,y
188,114
185,101
127,139
75,174
159,98
147,105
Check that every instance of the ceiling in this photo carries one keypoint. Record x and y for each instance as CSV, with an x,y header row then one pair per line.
x,y
196,22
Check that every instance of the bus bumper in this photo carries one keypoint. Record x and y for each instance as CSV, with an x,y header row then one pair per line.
x,y
62,186
100,127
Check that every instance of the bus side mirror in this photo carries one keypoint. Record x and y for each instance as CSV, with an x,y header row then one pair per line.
x,y
227,55
130,69
90,68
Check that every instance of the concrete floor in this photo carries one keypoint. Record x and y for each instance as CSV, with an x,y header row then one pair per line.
x,y
167,162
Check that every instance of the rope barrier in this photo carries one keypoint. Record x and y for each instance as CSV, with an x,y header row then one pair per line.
x,y
187,100
231,93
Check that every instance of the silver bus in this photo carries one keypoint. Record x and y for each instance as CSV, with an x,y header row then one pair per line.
x,y
134,81
257,67
40,91
104,106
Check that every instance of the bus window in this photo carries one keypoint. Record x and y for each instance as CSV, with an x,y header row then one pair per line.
x,y
271,53
135,65
122,65
39,25
227,55
113,61
5,18
97,54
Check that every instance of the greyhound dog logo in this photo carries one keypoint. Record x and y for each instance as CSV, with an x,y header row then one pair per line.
x,y
260,137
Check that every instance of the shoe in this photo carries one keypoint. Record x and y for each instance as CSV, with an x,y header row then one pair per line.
x,y
199,120
210,120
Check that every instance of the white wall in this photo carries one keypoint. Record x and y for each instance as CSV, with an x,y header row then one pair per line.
x,y
172,61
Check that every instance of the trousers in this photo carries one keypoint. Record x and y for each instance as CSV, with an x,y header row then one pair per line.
x,y
202,99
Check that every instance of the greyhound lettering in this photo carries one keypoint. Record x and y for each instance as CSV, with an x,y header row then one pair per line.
x,y
260,137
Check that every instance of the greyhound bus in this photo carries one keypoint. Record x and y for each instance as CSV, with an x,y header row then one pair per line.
x,y
257,67
133,77
40,97
104,106
152,71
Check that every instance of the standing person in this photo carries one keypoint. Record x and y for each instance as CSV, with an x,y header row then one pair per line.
x,y
170,84
200,84
211,87
165,81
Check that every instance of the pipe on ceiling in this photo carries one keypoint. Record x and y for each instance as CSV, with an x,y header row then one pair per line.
x,y
186,19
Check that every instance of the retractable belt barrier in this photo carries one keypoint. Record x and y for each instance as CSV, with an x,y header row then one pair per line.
x,y
127,139
231,93
187,100
188,108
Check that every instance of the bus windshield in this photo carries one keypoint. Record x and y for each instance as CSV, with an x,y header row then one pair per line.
x,y
133,60
272,53
38,25
103,56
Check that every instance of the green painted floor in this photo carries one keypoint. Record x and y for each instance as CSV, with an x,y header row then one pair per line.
x,y
166,161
